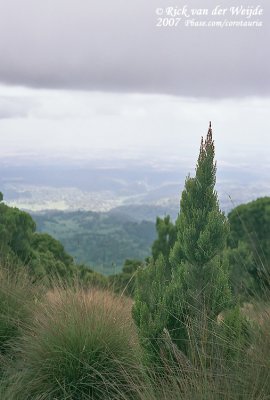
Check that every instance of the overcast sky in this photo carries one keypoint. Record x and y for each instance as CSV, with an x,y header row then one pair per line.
x,y
82,75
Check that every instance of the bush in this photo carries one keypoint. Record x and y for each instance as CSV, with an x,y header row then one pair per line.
x,y
79,346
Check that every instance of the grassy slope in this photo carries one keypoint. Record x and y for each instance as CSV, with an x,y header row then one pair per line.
x,y
83,345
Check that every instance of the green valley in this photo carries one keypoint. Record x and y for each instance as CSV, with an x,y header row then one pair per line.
x,y
101,240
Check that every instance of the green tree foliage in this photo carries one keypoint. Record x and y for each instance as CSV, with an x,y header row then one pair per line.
x,y
241,266
16,230
49,258
43,242
202,228
102,240
149,311
250,224
44,256
166,237
198,289
89,278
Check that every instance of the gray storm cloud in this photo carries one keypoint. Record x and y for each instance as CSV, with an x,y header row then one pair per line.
x,y
115,46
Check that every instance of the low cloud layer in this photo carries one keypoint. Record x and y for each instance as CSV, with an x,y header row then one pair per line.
x,y
101,45
15,107
154,127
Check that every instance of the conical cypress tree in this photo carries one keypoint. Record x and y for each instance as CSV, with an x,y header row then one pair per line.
x,y
202,228
198,288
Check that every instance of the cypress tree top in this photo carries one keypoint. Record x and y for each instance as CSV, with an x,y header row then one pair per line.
x,y
202,227
206,166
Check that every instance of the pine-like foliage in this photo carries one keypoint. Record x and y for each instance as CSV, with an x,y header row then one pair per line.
x,y
149,310
202,228
199,290
166,237
189,302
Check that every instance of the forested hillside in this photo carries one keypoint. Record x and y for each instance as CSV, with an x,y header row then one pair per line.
x,y
44,257
101,240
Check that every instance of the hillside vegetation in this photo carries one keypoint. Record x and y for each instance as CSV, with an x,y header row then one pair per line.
x,y
197,327
100,240
44,257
